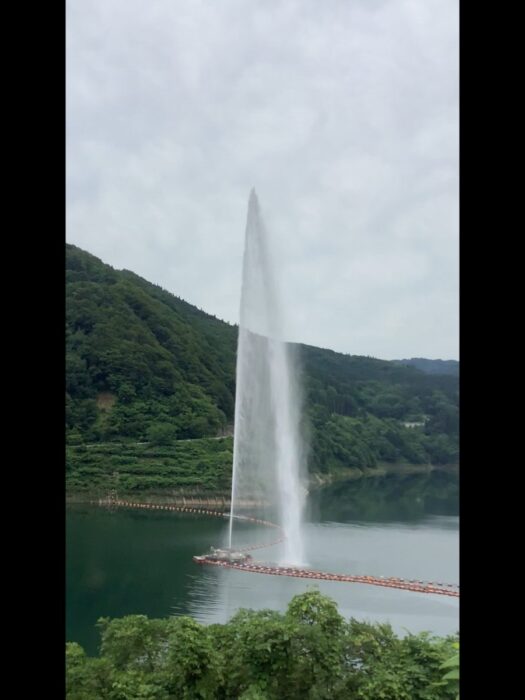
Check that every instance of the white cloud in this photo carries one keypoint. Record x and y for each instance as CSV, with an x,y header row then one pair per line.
x,y
344,115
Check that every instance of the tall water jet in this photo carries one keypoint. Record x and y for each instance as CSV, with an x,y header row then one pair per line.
x,y
267,456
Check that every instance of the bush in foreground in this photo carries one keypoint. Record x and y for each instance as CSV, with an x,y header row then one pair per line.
x,y
310,651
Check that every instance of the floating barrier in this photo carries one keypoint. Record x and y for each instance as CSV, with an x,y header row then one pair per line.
x,y
448,589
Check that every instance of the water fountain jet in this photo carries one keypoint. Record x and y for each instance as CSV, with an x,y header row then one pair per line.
x,y
267,456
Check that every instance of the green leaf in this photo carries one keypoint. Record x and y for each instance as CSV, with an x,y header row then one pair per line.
x,y
452,675
453,661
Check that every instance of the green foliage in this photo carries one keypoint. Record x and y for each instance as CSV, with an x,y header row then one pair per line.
x,y
86,678
312,608
144,365
309,652
162,434
131,642
191,667
193,465
453,674
140,343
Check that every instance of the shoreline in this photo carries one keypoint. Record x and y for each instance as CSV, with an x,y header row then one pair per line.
x,y
222,501
318,480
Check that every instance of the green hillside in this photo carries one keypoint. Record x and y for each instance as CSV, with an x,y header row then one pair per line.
x,y
138,357
143,366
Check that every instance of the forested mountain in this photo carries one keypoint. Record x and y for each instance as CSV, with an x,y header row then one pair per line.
x,y
432,366
137,355
144,365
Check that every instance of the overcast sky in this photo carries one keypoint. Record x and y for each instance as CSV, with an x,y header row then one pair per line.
x,y
344,116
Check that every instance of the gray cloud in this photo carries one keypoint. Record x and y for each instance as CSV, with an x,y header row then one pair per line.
x,y
343,114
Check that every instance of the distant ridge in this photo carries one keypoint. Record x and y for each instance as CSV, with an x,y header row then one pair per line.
x,y
432,366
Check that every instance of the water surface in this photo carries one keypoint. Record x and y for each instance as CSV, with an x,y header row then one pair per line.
x,y
123,562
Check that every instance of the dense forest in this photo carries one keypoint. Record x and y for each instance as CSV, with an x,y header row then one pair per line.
x,y
310,651
143,366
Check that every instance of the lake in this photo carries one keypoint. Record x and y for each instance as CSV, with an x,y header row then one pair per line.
x,y
121,562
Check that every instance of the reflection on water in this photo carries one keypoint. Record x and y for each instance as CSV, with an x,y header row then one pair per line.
x,y
392,498
126,562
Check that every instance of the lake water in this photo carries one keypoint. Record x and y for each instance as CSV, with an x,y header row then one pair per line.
x,y
125,562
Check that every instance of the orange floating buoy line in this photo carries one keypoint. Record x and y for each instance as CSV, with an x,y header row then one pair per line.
x,y
436,588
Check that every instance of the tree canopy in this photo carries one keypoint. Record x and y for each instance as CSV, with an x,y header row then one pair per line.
x,y
310,651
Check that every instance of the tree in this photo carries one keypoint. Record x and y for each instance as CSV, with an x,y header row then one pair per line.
x,y
86,679
191,667
309,652
162,434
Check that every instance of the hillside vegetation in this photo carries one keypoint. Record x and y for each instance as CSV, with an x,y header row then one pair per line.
x,y
143,366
